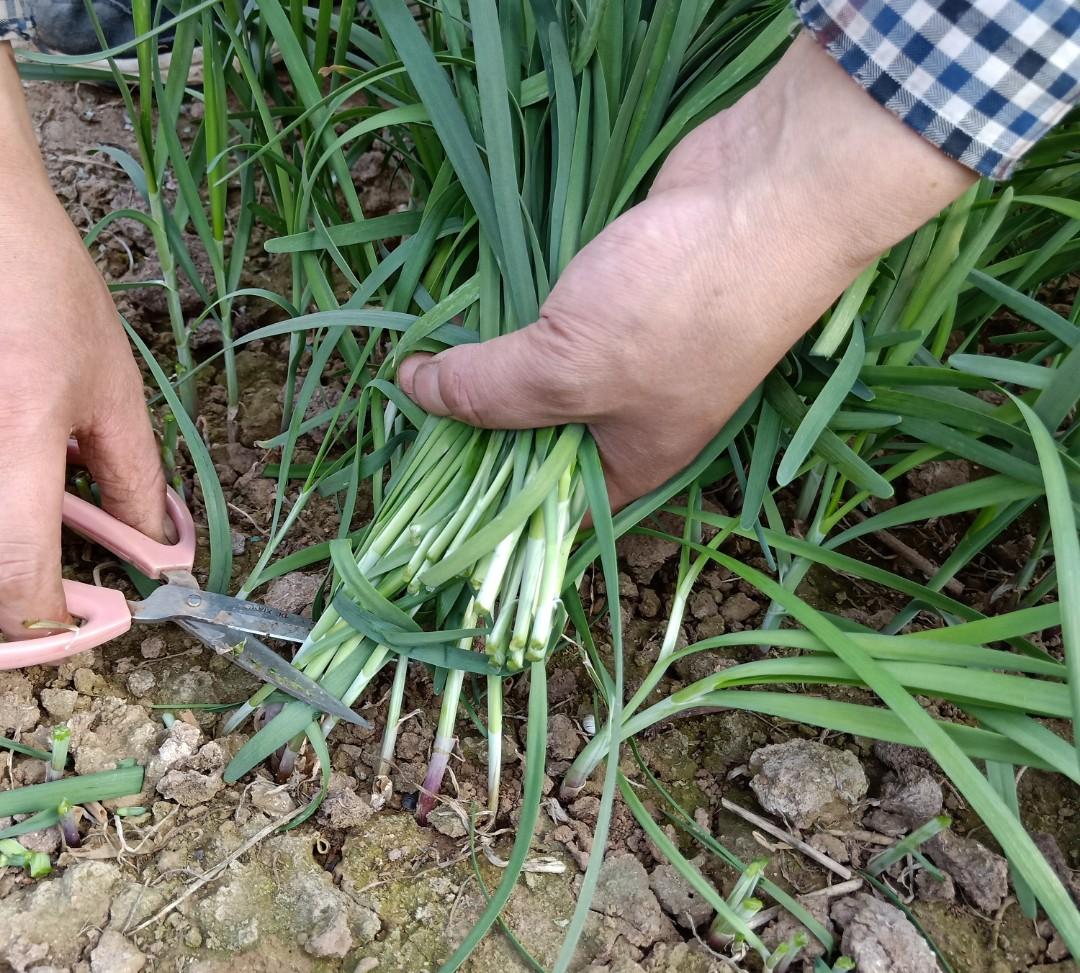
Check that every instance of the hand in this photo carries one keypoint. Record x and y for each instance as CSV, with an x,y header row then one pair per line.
x,y
65,367
663,325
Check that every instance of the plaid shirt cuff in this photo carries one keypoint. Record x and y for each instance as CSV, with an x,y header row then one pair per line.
x,y
983,80
15,21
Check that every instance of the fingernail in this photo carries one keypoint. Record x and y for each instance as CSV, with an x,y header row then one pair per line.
x,y
426,391
406,375
168,528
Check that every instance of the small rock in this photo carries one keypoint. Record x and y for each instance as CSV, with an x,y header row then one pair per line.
x,y
807,783
878,937
47,841
270,798
293,593
586,808
908,800
563,741
702,665
1048,845
447,821
119,730
114,954
787,926
627,588
87,681
59,703
644,556
831,846
933,889
18,711
369,964
702,604
649,606
345,810
980,874
678,898
739,607
711,628
140,682
623,893
562,684
189,788
898,757
152,647
334,941
180,743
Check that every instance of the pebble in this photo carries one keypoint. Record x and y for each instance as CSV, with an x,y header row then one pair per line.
x,y
140,683
678,898
980,874
738,607
830,845
59,703
293,593
447,821
702,604
649,607
86,681
807,783
878,937
152,647
114,954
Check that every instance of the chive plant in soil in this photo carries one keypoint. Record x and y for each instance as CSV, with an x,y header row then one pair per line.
x,y
523,130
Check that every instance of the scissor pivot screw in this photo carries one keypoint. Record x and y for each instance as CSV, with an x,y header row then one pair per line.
x,y
194,601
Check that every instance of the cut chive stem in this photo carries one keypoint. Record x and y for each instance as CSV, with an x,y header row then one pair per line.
x,y
393,716
495,742
61,740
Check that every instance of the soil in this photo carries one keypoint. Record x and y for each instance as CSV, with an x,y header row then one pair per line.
x,y
203,880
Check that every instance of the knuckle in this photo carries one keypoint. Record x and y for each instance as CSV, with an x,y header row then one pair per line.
x,y
24,573
457,386
570,378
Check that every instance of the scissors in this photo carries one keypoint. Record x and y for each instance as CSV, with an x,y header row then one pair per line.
x,y
226,625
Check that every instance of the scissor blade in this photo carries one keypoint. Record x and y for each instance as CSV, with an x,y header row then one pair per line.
x,y
172,602
251,655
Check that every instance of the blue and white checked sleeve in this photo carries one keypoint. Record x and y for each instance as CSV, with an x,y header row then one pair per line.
x,y
983,80
15,21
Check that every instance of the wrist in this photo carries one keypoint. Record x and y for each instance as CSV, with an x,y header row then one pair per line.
x,y
820,160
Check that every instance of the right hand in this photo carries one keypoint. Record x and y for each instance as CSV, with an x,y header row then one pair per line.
x,y
65,368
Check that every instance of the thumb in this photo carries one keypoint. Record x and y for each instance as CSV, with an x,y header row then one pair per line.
x,y
523,380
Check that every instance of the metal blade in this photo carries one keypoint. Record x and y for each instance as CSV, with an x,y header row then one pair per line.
x,y
172,602
260,660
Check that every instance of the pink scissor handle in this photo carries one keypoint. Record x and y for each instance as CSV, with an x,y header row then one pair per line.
x,y
153,559
105,615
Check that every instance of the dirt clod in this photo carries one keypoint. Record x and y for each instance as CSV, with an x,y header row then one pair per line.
x,y
807,783
48,920
115,954
293,593
345,810
623,894
980,874
59,703
678,898
18,711
787,926
739,607
880,939
563,740
908,800
447,821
